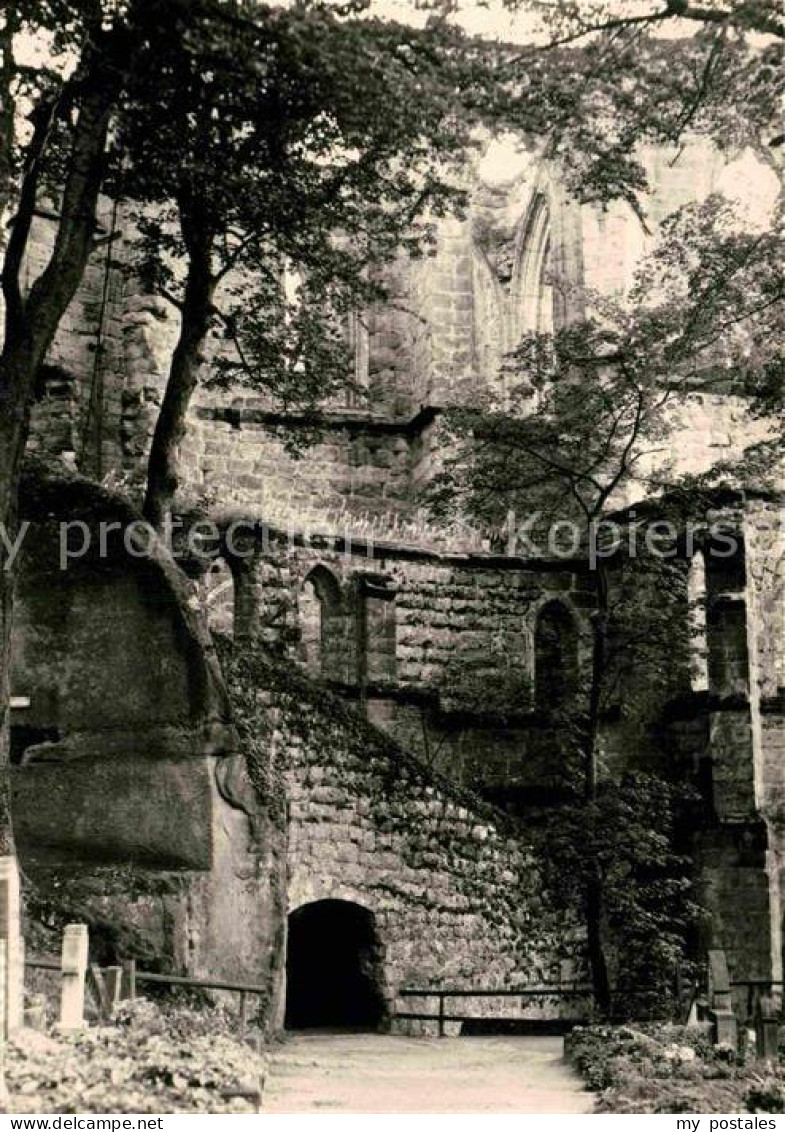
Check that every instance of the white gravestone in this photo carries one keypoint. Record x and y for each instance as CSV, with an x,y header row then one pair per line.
x,y
73,969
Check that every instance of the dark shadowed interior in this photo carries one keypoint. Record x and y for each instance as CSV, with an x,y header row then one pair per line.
x,y
333,968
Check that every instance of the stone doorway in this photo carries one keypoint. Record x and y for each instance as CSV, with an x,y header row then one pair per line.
x,y
333,968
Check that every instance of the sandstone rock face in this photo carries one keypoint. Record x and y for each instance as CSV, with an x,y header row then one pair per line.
x,y
120,807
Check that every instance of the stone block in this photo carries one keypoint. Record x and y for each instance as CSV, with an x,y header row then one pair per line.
x,y
725,1029
115,809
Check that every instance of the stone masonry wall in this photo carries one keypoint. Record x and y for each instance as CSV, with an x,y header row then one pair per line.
x,y
476,615
427,641
455,897
350,466
449,319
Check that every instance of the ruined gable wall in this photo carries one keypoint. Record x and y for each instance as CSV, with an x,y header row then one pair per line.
x,y
449,320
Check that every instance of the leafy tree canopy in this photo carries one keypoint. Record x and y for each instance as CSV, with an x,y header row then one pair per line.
x,y
580,425
579,422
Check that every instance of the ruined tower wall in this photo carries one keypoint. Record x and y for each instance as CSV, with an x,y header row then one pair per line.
x,y
449,321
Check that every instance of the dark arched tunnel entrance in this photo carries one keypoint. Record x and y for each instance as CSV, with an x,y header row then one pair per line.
x,y
333,968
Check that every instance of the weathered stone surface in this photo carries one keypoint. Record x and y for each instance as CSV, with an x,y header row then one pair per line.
x,y
152,811
454,897
116,801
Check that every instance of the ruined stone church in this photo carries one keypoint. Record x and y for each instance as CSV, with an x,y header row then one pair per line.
x,y
388,838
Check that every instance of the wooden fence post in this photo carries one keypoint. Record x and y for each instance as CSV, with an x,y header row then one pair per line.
x,y
73,971
10,931
129,979
113,981
105,984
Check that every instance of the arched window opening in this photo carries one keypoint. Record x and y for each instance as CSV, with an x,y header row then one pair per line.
x,y
218,599
333,967
532,292
555,656
322,625
696,596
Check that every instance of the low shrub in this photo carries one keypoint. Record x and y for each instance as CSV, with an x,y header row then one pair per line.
x,y
767,1095
151,1059
659,1068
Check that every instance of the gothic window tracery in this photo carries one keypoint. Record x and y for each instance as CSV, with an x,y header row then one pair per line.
x,y
555,656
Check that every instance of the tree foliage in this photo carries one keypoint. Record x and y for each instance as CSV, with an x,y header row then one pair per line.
x,y
285,146
579,421
576,432
596,79
649,903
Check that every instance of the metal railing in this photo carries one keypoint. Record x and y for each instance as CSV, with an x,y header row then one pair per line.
x,y
441,1017
243,989
42,964
132,976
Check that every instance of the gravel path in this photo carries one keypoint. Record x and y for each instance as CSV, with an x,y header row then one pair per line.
x,y
378,1073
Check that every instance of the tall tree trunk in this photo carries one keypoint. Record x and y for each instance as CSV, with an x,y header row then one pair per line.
x,y
31,324
6,611
196,313
9,25
598,964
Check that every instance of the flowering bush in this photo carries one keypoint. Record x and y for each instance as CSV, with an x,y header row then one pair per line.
x,y
151,1059
666,1068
